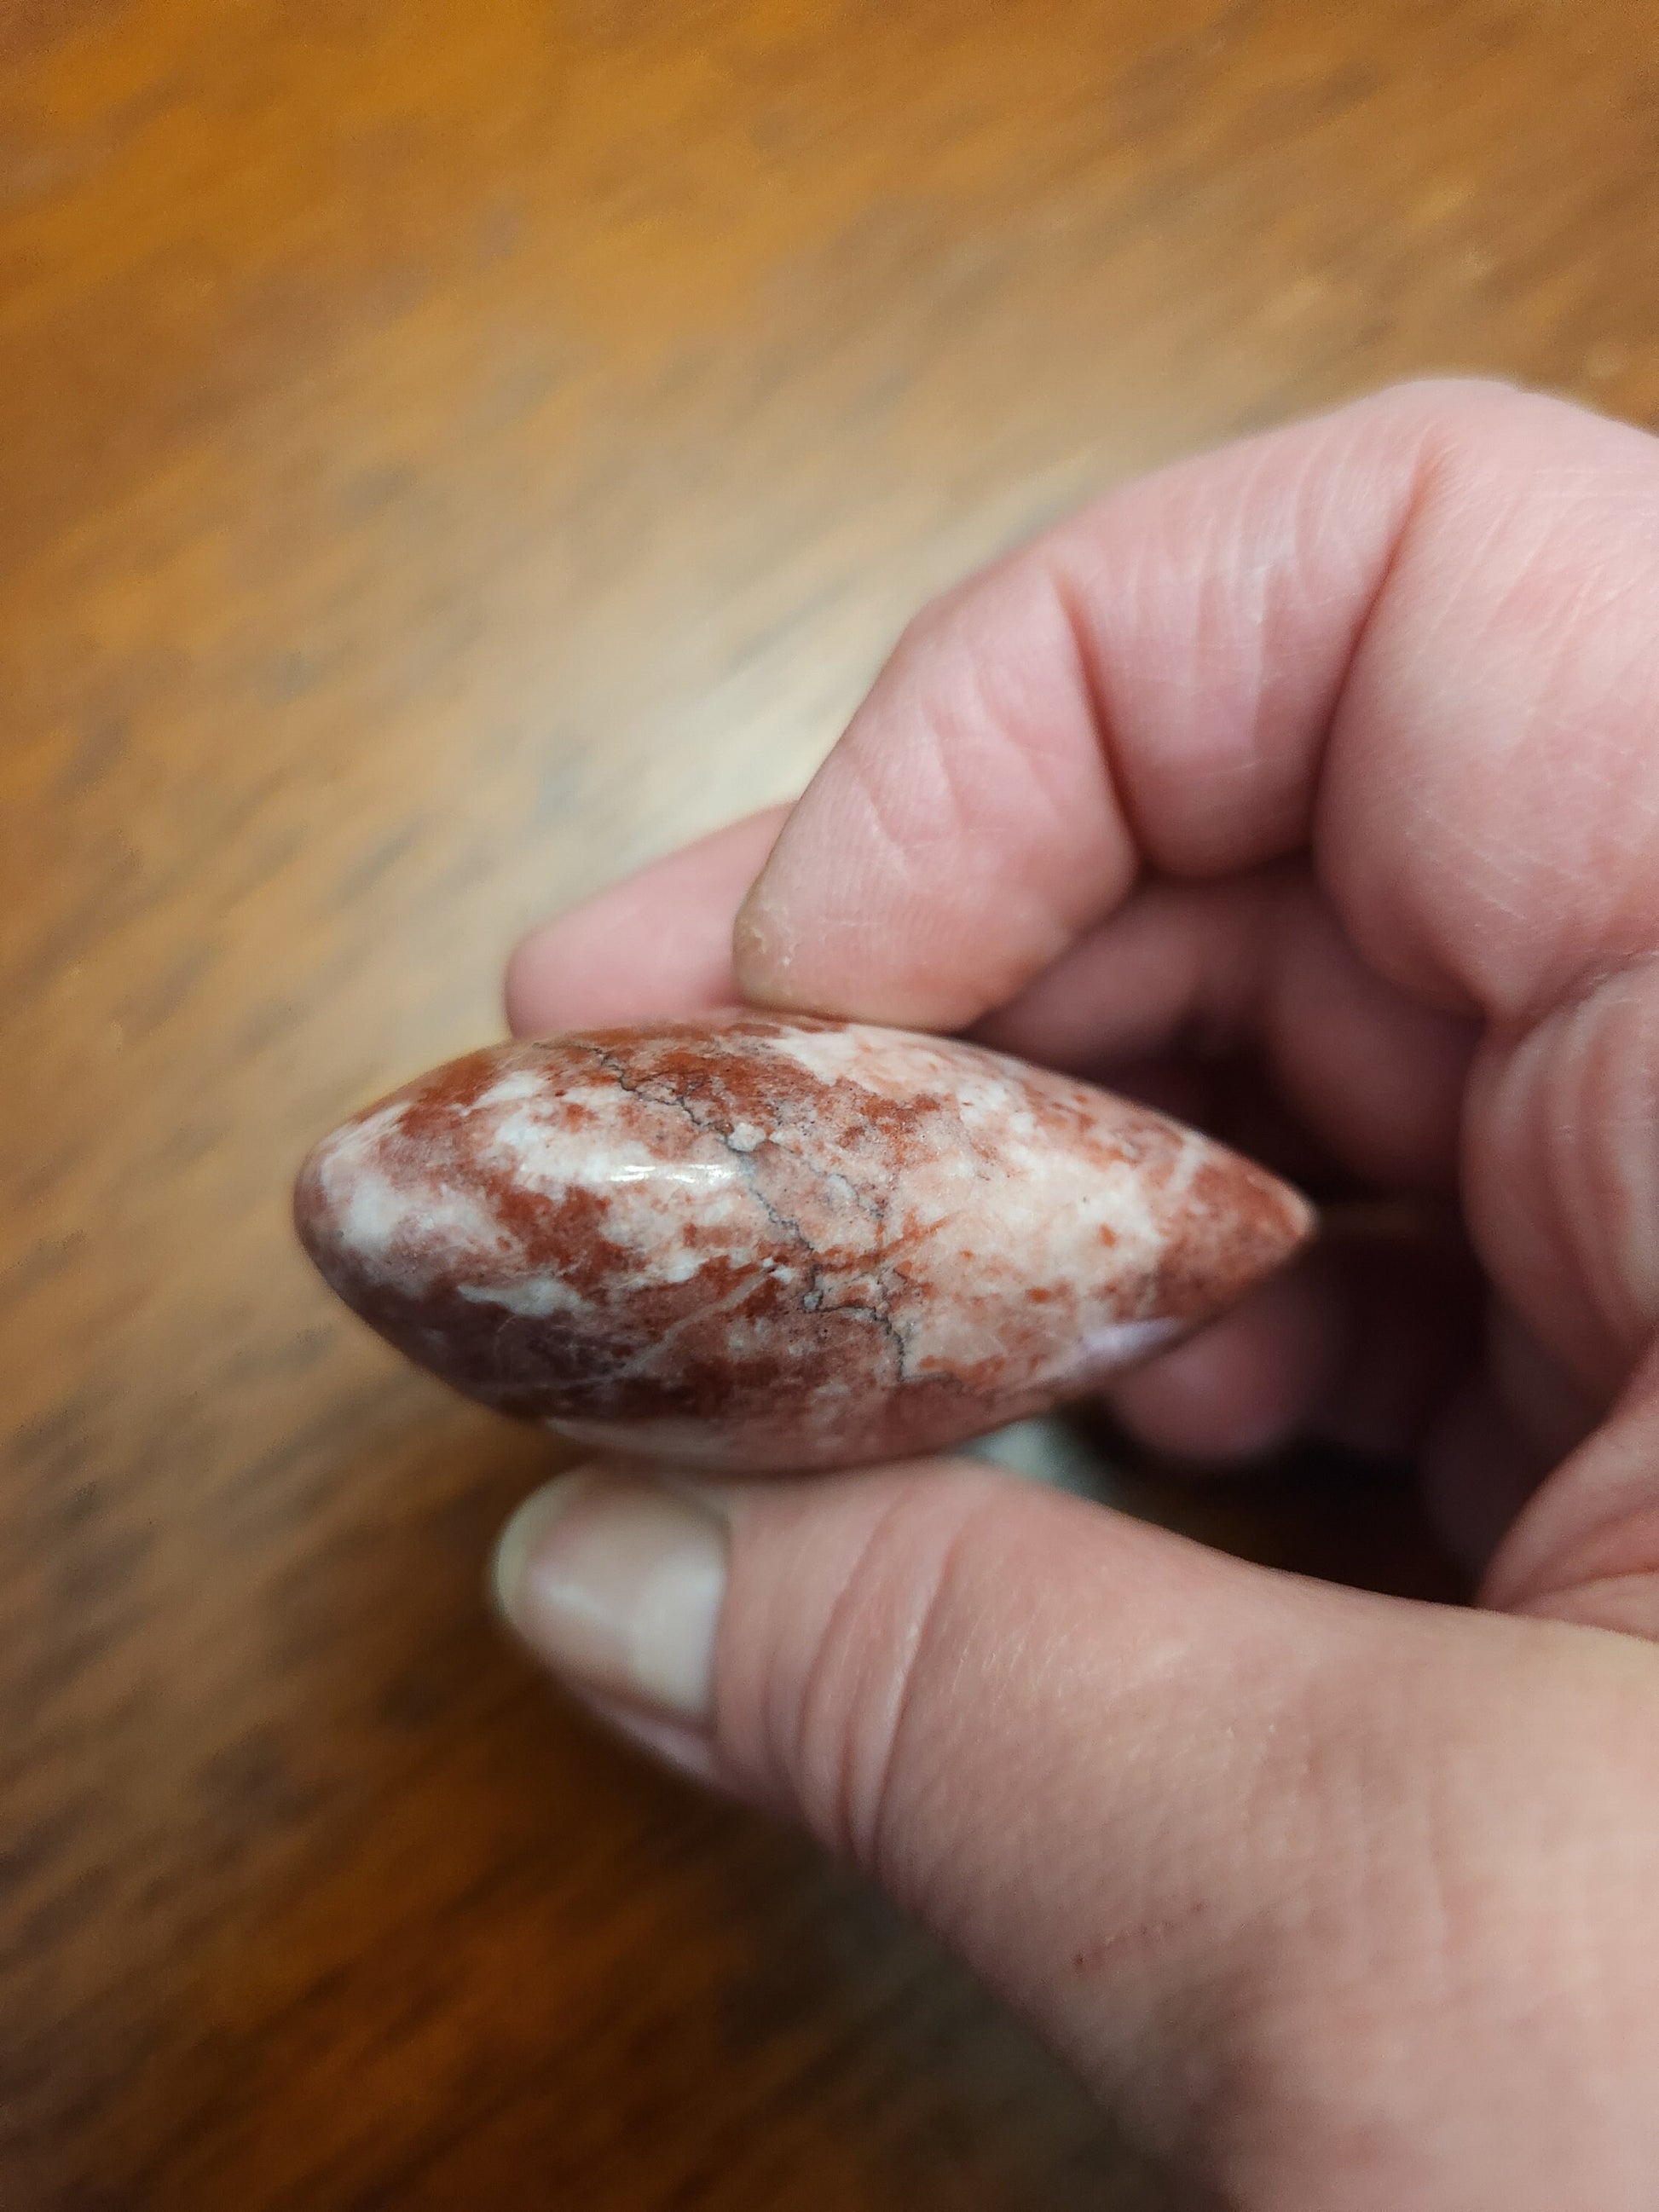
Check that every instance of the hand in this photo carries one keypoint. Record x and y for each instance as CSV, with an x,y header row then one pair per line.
x,y
1338,751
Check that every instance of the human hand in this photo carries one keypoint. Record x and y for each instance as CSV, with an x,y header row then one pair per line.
x,y
1338,749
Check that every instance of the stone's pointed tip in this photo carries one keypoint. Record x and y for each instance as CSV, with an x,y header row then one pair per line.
x,y
1240,1226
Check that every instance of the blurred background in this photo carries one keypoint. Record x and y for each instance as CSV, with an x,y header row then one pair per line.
x,y
448,455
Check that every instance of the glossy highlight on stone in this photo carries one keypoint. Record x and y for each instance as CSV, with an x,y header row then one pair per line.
x,y
751,1243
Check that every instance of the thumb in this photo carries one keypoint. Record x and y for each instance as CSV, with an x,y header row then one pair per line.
x,y
1250,1851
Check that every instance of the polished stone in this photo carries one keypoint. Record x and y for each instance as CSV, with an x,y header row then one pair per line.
x,y
751,1243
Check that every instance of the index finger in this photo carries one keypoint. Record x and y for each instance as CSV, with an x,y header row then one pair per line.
x,y
1407,637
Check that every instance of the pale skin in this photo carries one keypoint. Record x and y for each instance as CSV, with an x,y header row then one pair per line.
x,y
1341,745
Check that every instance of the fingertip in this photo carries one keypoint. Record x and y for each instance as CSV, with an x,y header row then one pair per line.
x,y
656,945
960,833
530,984
1358,1343
762,958
1244,1386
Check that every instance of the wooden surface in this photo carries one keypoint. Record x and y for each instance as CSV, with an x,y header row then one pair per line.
x,y
449,454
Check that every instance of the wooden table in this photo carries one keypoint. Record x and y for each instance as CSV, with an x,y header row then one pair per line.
x,y
451,453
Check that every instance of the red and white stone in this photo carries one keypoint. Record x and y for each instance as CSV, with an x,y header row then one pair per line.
x,y
749,1242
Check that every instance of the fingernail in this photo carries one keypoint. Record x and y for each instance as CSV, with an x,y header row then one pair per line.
x,y
616,1583
760,948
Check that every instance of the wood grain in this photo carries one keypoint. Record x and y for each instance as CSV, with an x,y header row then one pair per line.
x,y
451,453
